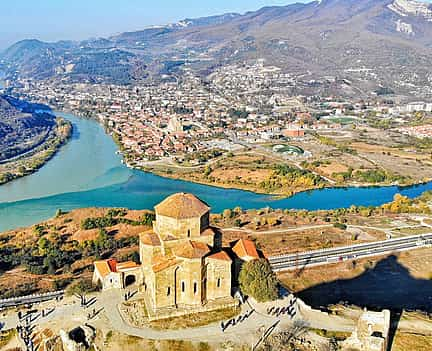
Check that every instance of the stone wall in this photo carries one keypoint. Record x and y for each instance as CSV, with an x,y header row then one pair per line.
x,y
179,228
189,283
218,279
147,252
136,314
164,295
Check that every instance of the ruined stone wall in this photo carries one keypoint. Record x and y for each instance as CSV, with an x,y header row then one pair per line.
x,y
372,332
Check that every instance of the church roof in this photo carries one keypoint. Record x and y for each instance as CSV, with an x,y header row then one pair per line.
x,y
111,265
150,239
160,263
191,250
245,249
221,255
182,206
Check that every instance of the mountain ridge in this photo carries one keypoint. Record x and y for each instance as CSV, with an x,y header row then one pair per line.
x,y
320,36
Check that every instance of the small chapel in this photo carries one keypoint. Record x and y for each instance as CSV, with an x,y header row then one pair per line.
x,y
183,264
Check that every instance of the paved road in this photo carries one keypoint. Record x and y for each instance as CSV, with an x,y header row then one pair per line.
x,y
339,254
30,299
278,231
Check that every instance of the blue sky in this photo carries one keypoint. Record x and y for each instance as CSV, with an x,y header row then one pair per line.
x,y
52,20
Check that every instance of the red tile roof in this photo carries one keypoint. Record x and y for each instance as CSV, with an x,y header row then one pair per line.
x,y
221,255
150,239
245,248
160,263
105,267
191,250
127,265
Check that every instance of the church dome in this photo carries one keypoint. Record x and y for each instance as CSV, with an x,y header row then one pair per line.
x,y
182,206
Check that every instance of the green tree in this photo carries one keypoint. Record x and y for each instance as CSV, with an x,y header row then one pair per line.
x,y
258,280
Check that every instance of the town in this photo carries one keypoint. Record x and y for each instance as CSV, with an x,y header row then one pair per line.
x,y
191,127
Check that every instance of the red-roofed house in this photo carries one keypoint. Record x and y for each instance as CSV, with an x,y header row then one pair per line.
x,y
112,274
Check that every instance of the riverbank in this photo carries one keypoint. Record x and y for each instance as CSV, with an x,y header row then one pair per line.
x,y
258,181
88,172
33,160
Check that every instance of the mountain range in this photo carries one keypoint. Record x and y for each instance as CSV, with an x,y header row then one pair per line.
x,y
389,39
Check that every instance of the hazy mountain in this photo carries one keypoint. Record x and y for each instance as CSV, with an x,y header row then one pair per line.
x,y
391,37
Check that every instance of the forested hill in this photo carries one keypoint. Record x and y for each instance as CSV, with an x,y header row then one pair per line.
x,y
22,127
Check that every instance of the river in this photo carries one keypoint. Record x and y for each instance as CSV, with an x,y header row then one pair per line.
x,y
88,173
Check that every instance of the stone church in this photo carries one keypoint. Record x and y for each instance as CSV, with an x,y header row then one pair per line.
x,y
183,265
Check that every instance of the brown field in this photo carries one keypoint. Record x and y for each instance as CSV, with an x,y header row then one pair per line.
x,y
334,167
245,159
301,240
408,342
372,148
251,176
19,280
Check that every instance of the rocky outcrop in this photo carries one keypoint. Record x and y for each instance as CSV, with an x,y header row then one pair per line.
x,y
78,339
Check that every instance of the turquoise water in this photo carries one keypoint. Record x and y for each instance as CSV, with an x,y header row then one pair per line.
x,y
87,161
87,173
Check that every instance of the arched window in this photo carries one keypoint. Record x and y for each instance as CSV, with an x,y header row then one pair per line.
x,y
189,233
183,286
169,291
195,288
218,282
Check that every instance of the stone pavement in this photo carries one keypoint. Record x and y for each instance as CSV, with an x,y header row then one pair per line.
x,y
208,333
69,313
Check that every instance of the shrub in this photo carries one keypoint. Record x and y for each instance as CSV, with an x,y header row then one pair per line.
x,y
340,226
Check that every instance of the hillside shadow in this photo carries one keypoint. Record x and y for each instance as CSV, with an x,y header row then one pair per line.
x,y
388,285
